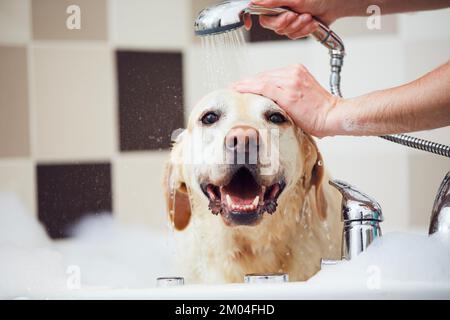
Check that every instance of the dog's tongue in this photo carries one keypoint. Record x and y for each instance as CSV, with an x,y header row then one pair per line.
x,y
244,202
246,197
242,189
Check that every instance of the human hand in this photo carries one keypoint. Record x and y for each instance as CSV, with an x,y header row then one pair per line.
x,y
295,90
299,23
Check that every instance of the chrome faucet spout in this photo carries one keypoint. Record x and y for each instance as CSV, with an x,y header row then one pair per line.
x,y
361,215
440,216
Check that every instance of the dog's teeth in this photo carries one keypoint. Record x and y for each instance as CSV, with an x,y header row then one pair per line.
x,y
228,200
255,202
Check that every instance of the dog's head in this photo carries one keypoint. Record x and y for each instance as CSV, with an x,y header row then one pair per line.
x,y
240,155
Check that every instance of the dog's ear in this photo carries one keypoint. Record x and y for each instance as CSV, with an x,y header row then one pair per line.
x,y
314,174
177,198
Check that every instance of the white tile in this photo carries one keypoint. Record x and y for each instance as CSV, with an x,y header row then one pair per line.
x,y
358,27
14,21
441,135
150,24
422,56
252,59
376,167
17,176
425,25
368,65
138,192
373,64
426,172
74,102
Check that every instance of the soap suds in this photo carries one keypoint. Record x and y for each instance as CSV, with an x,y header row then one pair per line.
x,y
108,255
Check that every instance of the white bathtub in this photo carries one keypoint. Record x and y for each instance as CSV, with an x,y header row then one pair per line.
x,y
111,261
288,291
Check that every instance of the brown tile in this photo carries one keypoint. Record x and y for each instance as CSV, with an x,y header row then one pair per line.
x,y
68,192
14,112
50,16
74,102
150,98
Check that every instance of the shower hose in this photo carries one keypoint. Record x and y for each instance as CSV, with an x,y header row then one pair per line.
x,y
337,59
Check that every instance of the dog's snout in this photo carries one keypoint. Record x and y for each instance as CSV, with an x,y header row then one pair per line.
x,y
242,139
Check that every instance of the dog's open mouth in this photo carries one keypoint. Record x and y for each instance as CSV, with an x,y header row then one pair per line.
x,y
243,200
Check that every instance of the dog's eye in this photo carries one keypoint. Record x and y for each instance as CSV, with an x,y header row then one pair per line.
x,y
276,118
210,118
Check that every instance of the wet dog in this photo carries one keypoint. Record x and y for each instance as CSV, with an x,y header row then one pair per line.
x,y
247,193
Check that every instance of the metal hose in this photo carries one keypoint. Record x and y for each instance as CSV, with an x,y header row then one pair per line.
x,y
336,62
420,144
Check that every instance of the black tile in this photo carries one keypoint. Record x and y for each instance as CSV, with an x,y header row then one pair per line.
x,y
68,192
260,34
150,98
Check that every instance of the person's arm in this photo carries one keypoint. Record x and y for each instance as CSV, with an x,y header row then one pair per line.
x,y
300,23
420,105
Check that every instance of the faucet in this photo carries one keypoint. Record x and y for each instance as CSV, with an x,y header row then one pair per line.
x,y
440,216
361,215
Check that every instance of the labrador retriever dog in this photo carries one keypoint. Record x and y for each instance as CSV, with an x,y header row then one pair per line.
x,y
247,193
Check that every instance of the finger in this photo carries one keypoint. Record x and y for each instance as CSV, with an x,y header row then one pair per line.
x,y
290,90
247,21
278,23
283,81
266,89
299,23
275,3
261,78
255,83
285,73
307,30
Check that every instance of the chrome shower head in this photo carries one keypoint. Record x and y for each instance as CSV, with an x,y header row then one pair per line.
x,y
229,15
225,16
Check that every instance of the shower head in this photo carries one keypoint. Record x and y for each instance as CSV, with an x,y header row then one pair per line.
x,y
223,17
229,15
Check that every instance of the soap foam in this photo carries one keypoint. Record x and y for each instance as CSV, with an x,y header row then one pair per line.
x,y
110,255
393,258
102,252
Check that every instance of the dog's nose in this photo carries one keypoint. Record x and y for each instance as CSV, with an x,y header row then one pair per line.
x,y
242,139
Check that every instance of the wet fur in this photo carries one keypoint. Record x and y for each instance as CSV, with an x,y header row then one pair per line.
x,y
293,240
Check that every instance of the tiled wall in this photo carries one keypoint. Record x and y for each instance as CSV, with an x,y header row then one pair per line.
x,y
86,115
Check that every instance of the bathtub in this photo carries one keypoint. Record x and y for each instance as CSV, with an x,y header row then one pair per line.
x,y
283,291
107,260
